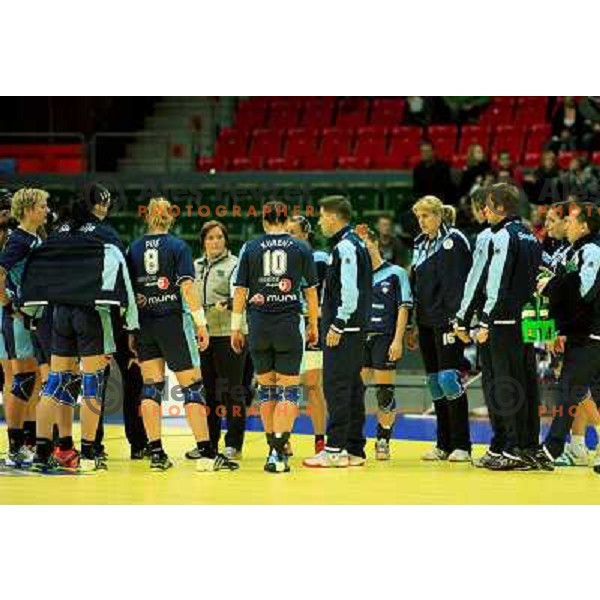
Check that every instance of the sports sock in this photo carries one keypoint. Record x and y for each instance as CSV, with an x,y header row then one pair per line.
x,y
43,448
87,449
383,433
206,449
279,441
29,433
65,443
15,439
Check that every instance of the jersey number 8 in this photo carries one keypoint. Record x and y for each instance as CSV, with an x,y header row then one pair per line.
x,y
151,263
274,263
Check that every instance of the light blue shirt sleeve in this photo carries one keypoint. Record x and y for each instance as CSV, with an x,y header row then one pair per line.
x,y
588,275
500,242
348,276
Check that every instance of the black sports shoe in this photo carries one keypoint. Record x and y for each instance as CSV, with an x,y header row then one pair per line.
x,y
543,460
219,463
40,465
277,463
159,461
510,462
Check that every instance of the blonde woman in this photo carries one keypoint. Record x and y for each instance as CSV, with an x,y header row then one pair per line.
x,y
171,318
30,208
441,263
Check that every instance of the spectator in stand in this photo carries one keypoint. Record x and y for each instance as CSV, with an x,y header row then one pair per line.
x,y
590,111
542,186
391,248
507,172
465,109
477,169
581,178
567,124
431,177
418,111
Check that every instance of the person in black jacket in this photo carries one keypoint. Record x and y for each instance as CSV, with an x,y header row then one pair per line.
x,y
514,259
574,293
90,215
441,262
431,177
344,321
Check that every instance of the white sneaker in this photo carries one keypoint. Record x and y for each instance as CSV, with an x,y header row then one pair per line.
x,y
356,461
22,458
327,460
219,463
382,450
435,454
574,455
459,456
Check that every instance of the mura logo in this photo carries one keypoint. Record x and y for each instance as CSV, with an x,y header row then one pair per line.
x,y
285,285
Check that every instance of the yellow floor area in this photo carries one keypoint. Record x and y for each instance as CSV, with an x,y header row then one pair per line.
x,y
403,480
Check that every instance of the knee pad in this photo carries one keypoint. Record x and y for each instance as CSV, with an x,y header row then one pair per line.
x,y
153,391
450,383
93,385
194,394
63,387
437,393
267,393
290,393
385,398
22,386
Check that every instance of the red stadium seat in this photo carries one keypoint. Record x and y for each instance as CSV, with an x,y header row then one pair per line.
x,y
249,120
281,163
319,162
387,112
436,132
317,115
336,142
444,148
370,144
402,148
510,138
497,115
388,163
283,117
596,158
31,165
351,113
243,163
414,134
459,161
413,161
232,143
531,160
265,143
69,165
301,143
354,162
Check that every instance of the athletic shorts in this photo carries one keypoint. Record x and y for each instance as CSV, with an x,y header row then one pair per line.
x,y
276,342
79,331
171,337
17,338
377,346
42,337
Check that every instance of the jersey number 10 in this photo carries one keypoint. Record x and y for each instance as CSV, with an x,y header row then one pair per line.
x,y
274,263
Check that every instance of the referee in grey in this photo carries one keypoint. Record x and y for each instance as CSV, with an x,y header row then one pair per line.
x,y
345,313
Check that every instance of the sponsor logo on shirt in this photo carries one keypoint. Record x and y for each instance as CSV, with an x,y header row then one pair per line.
x,y
257,300
163,283
285,285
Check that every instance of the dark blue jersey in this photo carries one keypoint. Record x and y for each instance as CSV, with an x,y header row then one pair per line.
x,y
275,268
391,290
13,258
159,264
96,229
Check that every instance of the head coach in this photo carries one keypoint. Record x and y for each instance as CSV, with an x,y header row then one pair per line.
x,y
345,314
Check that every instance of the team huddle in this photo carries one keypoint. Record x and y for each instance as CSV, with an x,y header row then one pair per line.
x,y
323,326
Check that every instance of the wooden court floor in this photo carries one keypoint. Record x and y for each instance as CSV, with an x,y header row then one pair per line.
x,y
404,480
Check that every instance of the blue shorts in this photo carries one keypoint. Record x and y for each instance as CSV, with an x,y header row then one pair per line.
x,y
79,331
377,346
17,338
276,342
171,337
